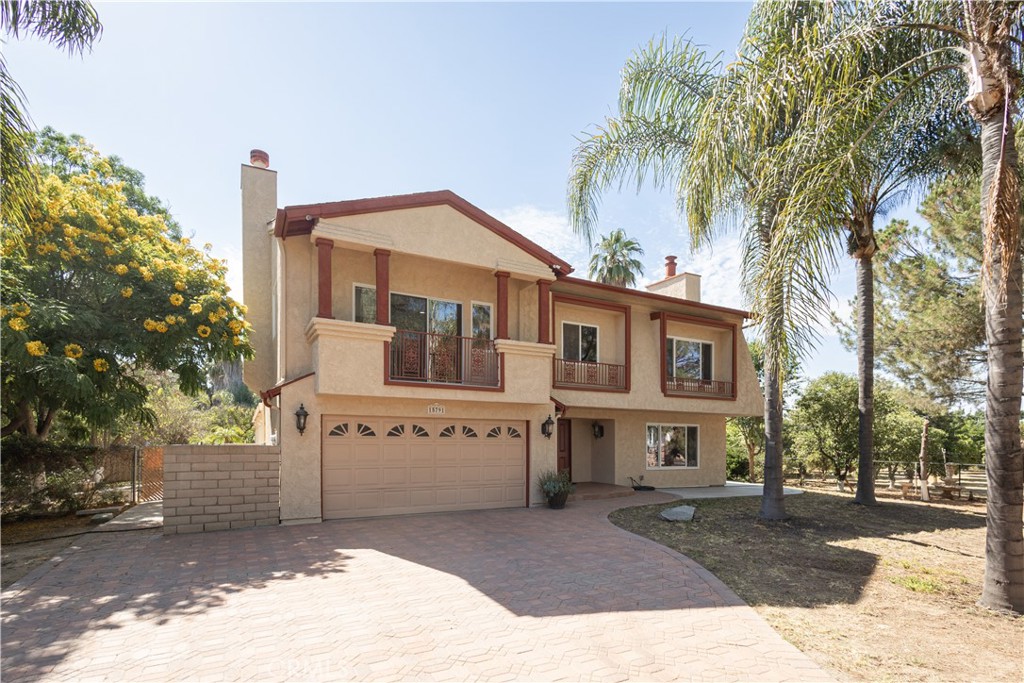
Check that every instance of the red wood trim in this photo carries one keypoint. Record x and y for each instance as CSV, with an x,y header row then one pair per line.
x,y
275,390
629,348
529,454
559,406
607,390
676,317
652,296
325,306
663,336
626,310
383,286
665,317
292,219
543,312
502,331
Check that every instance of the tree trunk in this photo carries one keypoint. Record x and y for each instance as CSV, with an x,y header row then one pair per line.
x,y
922,462
751,458
866,380
1004,462
773,506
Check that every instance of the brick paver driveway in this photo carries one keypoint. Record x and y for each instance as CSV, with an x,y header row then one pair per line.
x,y
498,595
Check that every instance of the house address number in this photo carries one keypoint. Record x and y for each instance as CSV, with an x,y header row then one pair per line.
x,y
435,409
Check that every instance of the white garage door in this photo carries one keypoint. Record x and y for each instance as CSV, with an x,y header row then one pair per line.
x,y
389,466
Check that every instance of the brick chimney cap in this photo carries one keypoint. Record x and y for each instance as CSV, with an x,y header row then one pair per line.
x,y
259,158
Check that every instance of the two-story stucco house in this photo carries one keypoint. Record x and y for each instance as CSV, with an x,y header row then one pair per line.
x,y
444,360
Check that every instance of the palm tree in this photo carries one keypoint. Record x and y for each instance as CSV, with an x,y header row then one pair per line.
x,y
71,25
613,261
673,94
983,40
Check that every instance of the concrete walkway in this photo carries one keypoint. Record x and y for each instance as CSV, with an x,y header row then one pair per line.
x,y
522,594
732,489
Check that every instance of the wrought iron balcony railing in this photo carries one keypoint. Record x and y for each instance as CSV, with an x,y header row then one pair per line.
x,y
443,359
580,374
684,386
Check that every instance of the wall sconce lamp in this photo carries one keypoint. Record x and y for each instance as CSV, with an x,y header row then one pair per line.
x,y
547,427
300,419
598,430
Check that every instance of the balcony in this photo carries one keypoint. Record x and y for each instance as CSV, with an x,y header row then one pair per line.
x,y
577,374
711,388
443,359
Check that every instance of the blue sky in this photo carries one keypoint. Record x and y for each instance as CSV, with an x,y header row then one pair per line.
x,y
359,100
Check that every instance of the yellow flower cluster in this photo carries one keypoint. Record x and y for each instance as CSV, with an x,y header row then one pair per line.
x,y
195,308
73,351
176,299
203,331
20,309
170,319
17,324
36,348
121,269
100,365
235,326
127,292
180,286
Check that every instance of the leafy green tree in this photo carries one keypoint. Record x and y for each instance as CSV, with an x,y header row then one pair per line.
x,y
98,286
983,42
684,121
614,260
71,25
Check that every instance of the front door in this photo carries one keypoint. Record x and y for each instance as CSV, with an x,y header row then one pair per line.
x,y
565,446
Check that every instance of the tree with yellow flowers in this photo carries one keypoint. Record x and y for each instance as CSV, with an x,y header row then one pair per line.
x,y
99,285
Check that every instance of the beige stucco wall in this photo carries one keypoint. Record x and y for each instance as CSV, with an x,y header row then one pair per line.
x,y
300,454
645,372
621,453
438,232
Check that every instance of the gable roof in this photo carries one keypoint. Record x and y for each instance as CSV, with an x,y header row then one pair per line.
x,y
300,219
663,298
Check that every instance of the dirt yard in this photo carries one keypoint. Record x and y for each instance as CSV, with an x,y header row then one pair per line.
x,y
25,545
873,594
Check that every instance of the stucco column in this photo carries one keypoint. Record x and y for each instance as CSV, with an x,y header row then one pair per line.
x,y
502,332
383,286
543,312
324,308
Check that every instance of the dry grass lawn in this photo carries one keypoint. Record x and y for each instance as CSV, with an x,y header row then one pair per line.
x,y
873,594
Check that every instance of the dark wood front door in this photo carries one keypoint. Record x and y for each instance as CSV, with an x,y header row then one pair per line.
x,y
565,446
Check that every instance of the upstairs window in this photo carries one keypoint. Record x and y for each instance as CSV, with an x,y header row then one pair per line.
x,y
365,305
688,359
579,342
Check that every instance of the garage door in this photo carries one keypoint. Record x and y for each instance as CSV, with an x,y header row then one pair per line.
x,y
389,466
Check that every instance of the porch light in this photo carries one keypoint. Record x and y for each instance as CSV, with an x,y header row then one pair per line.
x,y
598,430
547,427
300,419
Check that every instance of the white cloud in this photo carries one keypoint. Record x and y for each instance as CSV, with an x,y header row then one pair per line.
x,y
549,229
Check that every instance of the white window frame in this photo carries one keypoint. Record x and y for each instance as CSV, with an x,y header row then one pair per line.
x,y
489,306
714,355
355,299
661,426
597,340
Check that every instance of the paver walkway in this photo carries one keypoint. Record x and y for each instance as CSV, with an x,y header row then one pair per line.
x,y
526,594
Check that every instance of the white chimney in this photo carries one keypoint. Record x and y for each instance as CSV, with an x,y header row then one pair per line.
x,y
259,208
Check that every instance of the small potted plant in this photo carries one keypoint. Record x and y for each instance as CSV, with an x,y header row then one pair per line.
x,y
556,487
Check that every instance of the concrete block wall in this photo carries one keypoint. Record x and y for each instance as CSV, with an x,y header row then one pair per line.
x,y
211,488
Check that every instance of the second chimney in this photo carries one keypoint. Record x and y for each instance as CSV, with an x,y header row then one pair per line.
x,y
670,267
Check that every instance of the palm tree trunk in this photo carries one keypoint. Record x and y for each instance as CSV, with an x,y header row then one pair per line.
x,y
773,505
1004,462
866,380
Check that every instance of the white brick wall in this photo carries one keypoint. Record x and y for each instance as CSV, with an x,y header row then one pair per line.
x,y
211,488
